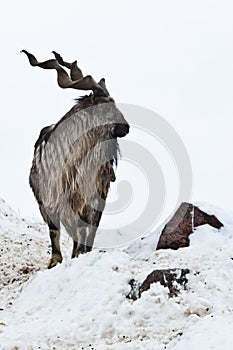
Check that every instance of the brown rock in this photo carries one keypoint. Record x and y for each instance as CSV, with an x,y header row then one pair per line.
x,y
174,279
201,218
176,233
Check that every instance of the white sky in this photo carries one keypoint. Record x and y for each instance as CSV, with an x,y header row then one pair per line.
x,y
174,57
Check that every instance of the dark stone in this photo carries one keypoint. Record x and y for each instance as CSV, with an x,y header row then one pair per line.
x,y
201,218
176,233
165,277
135,290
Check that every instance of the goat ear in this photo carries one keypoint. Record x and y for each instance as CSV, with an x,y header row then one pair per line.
x,y
103,85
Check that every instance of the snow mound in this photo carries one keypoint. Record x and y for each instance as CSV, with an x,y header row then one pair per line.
x,y
24,249
82,304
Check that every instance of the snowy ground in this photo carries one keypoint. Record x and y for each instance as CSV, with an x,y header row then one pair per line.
x,y
82,304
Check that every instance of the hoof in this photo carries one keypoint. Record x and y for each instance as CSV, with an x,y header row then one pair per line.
x,y
54,261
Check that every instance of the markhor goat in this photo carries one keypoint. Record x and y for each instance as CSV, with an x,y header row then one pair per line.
x,y
74,159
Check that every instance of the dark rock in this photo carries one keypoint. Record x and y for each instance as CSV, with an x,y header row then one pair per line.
x,y
201,218
167,279
174,279
176,233
135,290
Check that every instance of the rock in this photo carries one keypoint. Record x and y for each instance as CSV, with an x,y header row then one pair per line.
x,y
201,218
135,290
176,233
174,279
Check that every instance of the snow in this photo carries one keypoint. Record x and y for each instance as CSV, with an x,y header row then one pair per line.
x,y
82,304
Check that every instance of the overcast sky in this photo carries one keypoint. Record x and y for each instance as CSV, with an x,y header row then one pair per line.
x,y
173,57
